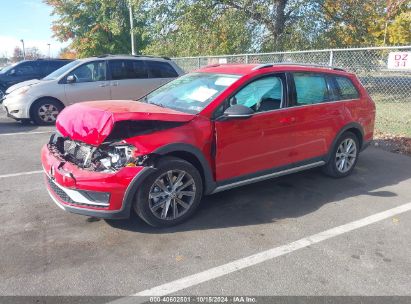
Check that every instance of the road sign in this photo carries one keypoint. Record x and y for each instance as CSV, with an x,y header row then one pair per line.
x,y
399,60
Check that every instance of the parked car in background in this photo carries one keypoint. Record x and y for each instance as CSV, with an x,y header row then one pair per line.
x,y
97,78
221,127
27,70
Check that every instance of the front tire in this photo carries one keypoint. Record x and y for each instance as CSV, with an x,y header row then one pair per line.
x,y
170,195
45,111
344,156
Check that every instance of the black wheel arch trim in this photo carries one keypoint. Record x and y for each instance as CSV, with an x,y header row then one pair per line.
x,y
352,125
136,182
132,188
209,183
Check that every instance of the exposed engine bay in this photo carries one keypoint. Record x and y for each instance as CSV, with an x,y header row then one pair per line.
x,y
112,154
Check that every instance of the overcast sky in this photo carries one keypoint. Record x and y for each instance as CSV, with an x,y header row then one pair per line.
x,y
29,20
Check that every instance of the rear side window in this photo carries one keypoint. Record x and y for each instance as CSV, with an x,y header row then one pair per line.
x,y
159,69
310,88
346,89
29,68
128,69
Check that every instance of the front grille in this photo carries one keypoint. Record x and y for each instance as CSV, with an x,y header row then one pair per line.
x,y
64,197
60,193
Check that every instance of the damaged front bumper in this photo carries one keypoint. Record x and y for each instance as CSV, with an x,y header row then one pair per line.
x,y
96,194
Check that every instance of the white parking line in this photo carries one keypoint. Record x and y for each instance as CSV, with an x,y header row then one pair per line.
x,y
261,257
26,133
20,174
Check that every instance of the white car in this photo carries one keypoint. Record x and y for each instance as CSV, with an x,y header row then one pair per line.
x,y
98,78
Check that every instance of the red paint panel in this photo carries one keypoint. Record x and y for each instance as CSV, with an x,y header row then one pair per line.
x,y
261,142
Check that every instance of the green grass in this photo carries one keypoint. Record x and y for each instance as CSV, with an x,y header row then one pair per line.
x,y
393,118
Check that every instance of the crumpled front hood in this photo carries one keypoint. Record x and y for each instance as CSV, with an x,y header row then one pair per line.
x,y
92,122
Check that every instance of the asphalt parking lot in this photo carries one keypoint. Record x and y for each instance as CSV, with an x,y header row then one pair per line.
x,y
46,251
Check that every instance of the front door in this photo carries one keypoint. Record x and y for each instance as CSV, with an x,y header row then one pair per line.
x,y
261,142
90,83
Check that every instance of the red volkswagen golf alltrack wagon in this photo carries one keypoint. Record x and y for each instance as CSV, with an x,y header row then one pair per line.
x,y
220,127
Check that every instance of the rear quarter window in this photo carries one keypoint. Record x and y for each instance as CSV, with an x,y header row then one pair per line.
x,y
346,89
159,69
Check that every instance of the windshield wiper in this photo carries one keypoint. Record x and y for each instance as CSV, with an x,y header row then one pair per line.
x,y
158,104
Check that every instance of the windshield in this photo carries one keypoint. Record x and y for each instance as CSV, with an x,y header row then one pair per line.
x,y
191,93
7,68
57,73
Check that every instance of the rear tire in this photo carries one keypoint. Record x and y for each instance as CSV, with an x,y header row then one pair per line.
x,y
344,156
45,111
170,195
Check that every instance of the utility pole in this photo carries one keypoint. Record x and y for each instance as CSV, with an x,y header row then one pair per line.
x,y
130,8
49,50
24,50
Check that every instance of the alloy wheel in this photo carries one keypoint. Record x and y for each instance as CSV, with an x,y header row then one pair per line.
x,y
172,194
346,155
48,113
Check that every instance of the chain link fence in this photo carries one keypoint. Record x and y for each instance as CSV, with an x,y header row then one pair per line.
x,y
389,88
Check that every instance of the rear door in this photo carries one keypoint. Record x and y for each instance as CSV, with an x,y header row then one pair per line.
x,y
316,115
90,84
261,142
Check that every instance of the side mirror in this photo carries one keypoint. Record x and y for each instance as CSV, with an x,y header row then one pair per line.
x,y
238,111
71,79
12,72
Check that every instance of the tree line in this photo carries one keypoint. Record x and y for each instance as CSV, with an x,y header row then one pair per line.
x,y
209,27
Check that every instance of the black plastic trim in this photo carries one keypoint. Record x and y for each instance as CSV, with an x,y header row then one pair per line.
x,y
270,171
209,184
132,188
353,125
127,203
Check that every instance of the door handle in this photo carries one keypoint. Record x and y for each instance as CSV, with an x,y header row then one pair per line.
x,y
114,84
102,85
288,120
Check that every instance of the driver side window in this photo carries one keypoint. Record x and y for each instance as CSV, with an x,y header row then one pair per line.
x,y
261,95
90,72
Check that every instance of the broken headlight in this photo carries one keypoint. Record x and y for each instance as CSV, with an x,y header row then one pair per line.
x,y
115,156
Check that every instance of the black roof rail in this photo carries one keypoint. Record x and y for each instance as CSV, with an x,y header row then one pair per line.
x,y
149,56
51,59
212,65
128,55
269,65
